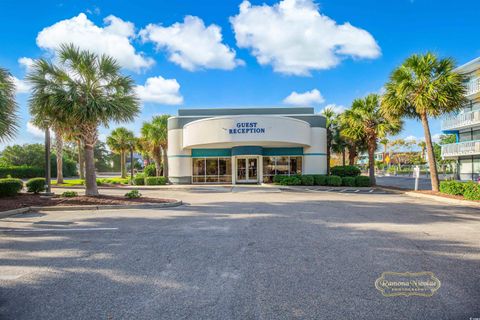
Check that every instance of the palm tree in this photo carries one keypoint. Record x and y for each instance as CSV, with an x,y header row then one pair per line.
x,y
156,132
87,90
8,106
142,146
121,141
423,146
339,142
422,87
384,142
368,122
72,135
330,116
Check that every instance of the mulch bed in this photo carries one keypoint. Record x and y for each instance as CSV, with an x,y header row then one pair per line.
x,y
444,195
27,200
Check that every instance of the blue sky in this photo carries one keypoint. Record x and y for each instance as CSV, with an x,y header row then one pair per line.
x,y
189,54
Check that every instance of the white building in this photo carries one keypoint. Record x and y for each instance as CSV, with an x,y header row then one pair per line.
x,y
248,145
466,126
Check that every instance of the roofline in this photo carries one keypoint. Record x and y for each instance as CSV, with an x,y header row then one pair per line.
x,y
470,66
246,111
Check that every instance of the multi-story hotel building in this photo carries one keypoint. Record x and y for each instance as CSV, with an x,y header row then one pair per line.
x,y
466,126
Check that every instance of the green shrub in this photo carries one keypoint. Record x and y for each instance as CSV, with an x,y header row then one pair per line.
x,y
471,191
155,181
362,181
348,181
345,171
291,181
279,178
10,187
320,180
139,179
334,181
36,185
134,194
452,187
69,194
102,181
150,170
307,180
21,172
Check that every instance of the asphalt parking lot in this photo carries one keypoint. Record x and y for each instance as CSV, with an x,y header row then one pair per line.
x,y
241,255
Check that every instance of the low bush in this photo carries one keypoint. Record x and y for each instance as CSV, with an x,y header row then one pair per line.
x,y
103,181
36,185
155,181
21,172
278,179
362,181
69,194
320,180
345,171
134,194
471,191
334,181
10,187
348,181
150,170
291,181
453,187
307,180
139,179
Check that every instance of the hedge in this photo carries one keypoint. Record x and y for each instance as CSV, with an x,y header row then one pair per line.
x,y
345,171
21,172
319,180
334,181
307,180
362,181
291,181
10,187
471,191
453,187
36,185
139,179
154,181
348,181
150,170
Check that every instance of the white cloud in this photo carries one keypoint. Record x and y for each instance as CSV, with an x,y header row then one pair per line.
x,y
295,38
306,98
435,137
34,130
113,39
336,108
26,63
160,90
192,45
411,139
21,86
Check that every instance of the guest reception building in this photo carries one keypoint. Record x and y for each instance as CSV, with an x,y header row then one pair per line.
x,y
248,145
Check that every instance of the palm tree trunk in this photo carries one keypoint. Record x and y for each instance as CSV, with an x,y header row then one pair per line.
x,y
372,146
89,135
431,156
81,161
122,164
352,153
343,157
165,161
158,160
59,151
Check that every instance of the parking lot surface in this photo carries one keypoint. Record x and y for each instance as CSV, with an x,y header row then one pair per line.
x,y
241,254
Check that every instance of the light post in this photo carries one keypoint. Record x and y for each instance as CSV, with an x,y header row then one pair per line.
x,y
131,165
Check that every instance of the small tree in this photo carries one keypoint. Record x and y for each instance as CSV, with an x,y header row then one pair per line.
x,y
423,87
121,141
330,117
156,132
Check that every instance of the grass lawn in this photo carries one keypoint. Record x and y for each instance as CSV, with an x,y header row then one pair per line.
x,y
100,181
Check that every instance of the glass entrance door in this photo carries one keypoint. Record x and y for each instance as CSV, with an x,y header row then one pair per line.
x,y
247,170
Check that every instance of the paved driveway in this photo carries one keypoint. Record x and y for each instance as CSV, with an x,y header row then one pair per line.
x,y
241,255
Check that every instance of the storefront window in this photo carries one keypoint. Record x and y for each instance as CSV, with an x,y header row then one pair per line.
x,y
281,166
295,165
212,170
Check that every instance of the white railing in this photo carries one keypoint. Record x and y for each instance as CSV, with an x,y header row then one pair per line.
x,y
467,148
473,86
461,120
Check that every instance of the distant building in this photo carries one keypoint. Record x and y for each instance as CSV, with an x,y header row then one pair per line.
x,y
466,126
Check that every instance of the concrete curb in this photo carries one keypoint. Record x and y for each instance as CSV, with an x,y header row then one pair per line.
x,y
8,213
466,203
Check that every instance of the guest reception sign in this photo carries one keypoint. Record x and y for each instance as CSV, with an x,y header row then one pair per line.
x,y
246,128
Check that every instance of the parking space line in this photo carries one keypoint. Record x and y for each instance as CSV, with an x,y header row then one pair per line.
x,y
58,230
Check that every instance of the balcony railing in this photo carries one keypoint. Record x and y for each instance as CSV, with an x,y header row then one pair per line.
x,y
473,86
462,120
467,148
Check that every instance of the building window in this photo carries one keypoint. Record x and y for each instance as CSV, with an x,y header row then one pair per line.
x,y
212,170
286,165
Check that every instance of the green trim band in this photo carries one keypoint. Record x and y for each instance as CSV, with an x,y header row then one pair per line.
x,y
315,154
